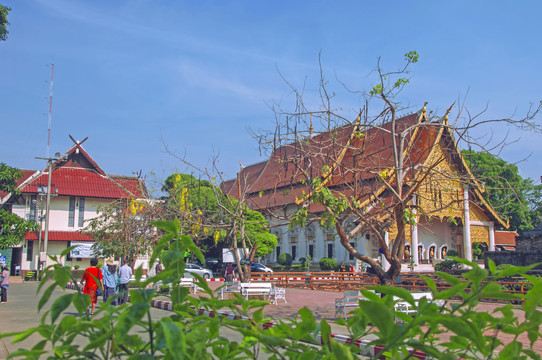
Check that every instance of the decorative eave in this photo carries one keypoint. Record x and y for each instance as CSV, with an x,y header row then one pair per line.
x,y
477,188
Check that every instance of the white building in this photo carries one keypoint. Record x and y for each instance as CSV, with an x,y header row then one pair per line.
x,y
79,187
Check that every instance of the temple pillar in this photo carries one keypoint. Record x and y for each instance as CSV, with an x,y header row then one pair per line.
x,y
414,234
466,225
491,228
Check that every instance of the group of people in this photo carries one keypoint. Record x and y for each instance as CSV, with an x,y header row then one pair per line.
x,y
342,268
108,280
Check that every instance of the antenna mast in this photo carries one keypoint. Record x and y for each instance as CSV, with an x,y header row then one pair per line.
x,y
50,110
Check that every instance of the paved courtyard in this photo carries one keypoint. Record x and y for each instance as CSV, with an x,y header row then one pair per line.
x,y
21,311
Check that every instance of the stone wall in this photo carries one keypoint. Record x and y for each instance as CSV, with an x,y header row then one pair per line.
x,y
527,243
519,258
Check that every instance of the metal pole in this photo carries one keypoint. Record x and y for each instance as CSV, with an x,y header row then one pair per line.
x,y
39,238
47,208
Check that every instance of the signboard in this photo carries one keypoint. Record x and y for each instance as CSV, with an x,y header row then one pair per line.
x,y
5,257
43,256
83,249
227,256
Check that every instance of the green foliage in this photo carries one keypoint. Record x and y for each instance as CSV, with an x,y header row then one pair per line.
x,y
121,231
412,57
4,11
257,231
456,330
514,198
453,252
9,175
285,259
306,263
196,203
447,265
477,248
12,227
327,264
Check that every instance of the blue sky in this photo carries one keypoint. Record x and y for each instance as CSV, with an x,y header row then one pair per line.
x,y
133,75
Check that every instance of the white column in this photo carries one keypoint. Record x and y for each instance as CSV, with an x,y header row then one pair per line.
x,y
466,225
491,229
385,263
414,234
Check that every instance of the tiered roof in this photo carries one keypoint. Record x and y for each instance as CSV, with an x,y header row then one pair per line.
x,y
279,181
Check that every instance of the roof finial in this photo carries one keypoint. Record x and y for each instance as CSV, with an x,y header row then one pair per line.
x,y
445,119
311,128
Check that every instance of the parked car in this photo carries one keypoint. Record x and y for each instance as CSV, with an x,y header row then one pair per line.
x,y
257,267
196,269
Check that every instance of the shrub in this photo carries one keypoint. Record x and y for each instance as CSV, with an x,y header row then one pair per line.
x,y
477,250
447,265
285,259
327,264
504,266
306,263
279,268
453,252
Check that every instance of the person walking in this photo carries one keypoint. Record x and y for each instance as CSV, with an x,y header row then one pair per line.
x,y
4,284
110,278
92,278
159,268
342,268
125,272
230,273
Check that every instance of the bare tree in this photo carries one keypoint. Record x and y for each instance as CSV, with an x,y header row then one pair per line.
x,y
377,174
233,220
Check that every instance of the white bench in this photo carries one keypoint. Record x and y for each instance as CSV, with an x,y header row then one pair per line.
x,y
278,293
407,308
350,299
229,287
189,283
256,289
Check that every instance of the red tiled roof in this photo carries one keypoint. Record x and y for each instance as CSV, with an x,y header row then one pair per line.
x,y
87,183
59,236
277,181
505,238
77,174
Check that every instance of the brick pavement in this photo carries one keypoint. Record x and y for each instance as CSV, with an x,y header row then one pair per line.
x,y
322,304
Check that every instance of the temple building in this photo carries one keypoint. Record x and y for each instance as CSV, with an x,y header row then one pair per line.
x,y
448,209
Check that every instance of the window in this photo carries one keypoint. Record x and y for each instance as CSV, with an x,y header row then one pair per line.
x,y
329,237
330,251
29,250
351,257
311,251
81,212
33,213
310,238
294,248
278,252
71,212
293,239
